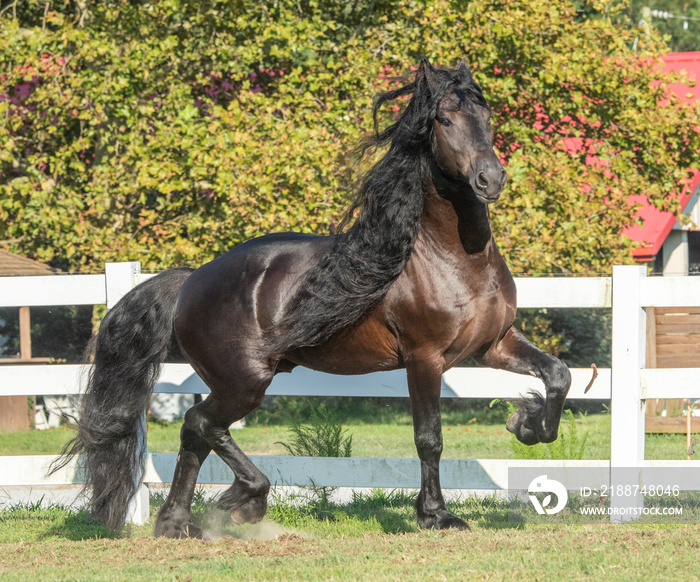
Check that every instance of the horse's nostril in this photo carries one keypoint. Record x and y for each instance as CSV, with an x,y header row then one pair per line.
x,y
482,180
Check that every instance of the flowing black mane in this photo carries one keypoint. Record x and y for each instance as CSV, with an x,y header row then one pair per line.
x,y
368,257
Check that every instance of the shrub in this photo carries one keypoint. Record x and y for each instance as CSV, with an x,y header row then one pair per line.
x,y
321,436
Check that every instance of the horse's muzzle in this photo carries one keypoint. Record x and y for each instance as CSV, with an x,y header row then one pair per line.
x,y
489,180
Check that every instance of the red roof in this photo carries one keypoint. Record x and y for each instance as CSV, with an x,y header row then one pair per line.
x,y
690,63
657,225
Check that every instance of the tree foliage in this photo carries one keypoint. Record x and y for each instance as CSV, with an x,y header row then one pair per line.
x,y
168,131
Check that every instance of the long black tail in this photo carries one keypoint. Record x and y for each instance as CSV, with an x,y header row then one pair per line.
x,y
132,342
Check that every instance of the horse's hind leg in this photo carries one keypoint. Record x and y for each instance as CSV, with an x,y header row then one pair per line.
x,y
205,429
536,420
174,517
246,499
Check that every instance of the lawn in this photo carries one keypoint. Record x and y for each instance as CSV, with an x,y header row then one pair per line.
x,y
371,538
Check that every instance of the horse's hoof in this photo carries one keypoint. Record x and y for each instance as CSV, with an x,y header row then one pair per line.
x,y
518,424
187,530
244,506
442,520
453,522
192,531
252,511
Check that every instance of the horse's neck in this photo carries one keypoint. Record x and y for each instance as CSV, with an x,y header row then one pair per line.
x,y
455,219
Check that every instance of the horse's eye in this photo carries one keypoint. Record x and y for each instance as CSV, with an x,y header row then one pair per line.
x,y
444,121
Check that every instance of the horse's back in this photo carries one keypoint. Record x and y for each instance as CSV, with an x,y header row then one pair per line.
x,y
226,306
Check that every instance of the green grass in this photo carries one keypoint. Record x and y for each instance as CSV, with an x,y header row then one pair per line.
x,y
35,442
374,537
462,439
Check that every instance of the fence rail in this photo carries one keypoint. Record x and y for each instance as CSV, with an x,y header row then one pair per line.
x,y
628,292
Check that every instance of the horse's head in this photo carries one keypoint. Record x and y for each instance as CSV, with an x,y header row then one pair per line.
x,y
462,141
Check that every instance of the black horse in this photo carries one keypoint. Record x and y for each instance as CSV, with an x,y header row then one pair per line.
x,y
416,282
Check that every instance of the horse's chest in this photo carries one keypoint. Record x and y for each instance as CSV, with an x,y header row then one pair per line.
x,y
482,310
483,320
456,312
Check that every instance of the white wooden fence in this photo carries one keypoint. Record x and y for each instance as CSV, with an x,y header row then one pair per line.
x,y
627,384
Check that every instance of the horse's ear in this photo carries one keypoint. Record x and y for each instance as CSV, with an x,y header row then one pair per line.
x,y
428,72
464,68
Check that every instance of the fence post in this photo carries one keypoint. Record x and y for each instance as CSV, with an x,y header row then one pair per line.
x,y
120,278
627,407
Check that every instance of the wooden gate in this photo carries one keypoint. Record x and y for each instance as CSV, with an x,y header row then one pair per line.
x,y
673,341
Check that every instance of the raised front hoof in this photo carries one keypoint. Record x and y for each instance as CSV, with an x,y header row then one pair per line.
x,y
175,531
243,506
521,426
442,520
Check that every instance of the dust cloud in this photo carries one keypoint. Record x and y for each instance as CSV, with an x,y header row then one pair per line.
x,y
218,525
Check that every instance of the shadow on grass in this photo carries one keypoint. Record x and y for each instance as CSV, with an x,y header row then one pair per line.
x,y
40,523
485,513
77,526
379,511
385,511
393,511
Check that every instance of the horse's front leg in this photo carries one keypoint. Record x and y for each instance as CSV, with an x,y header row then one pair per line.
x,y
537,419
424,382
